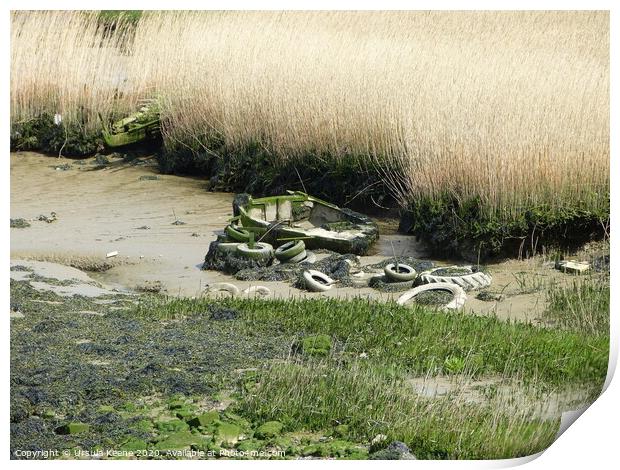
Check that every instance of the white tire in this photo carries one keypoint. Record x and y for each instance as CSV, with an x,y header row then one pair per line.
x,y
224,287
260,251
404,272
316,281
468,281
457,302
260,291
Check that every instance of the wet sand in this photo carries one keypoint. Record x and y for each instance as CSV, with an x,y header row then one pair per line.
x,y
161,227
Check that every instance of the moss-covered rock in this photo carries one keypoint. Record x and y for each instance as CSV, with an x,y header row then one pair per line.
x,y
176,403
316,345
172,425
142,425
269,430
395,451
73,428
205,420
227,433
250,445
179,440
133,444
337,449
287,444
185,412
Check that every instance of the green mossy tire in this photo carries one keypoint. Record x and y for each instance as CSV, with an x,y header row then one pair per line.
x,y
297,258
237,234
226,247
290,250
260,251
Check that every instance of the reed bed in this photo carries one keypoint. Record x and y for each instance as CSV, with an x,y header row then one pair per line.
x,y
508,107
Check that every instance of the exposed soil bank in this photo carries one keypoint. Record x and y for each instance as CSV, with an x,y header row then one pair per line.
x,y
130,208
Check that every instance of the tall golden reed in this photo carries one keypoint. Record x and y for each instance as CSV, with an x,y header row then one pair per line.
x,y
512,107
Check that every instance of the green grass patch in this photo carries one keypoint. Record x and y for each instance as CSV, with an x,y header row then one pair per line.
x,y
417,339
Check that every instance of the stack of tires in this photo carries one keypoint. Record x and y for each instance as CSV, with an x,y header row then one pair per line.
x,y
294,252
237,234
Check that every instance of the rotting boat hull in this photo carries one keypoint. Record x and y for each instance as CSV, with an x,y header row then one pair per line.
x,y
135,128
278,219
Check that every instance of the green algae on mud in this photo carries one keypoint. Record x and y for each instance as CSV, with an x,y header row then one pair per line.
x,y
68,366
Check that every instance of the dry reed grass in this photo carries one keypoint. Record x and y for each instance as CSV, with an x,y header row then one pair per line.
x,y
512,107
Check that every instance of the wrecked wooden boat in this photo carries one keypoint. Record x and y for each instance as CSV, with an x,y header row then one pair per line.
x,y
140,126
299,216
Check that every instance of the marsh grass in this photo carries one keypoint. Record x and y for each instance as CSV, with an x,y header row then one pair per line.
x,y
582,306
319,396
510,109
415,339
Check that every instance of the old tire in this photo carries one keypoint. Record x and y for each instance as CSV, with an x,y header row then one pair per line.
x,y
224,287
468,281
297,258
226,247
290,250
404,272
457,302
383,284
316,281
257,291
237,234
260,251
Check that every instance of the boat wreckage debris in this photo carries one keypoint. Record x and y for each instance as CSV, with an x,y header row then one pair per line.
x,y
137,127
